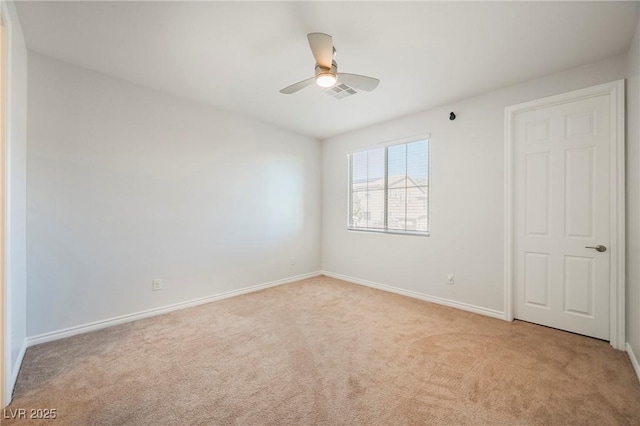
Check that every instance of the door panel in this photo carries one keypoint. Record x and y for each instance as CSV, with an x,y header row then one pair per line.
x,y
561,188
579,191
536,279
578,285
537,194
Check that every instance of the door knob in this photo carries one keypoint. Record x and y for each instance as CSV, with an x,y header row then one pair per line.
x,y
599,248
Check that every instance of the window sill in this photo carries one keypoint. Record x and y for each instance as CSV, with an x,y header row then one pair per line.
x,y
392,232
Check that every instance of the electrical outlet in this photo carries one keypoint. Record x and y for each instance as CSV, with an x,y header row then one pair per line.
x,y
450,279
292,261
157,284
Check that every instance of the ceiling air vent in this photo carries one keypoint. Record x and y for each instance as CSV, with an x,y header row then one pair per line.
x,y
340,91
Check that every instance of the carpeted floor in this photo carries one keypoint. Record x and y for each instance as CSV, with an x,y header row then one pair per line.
x,y
322,351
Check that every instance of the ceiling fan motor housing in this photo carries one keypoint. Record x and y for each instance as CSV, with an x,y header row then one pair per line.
x,y
322,70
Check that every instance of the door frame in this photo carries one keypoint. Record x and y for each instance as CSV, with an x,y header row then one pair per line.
x,y
5,306
615,90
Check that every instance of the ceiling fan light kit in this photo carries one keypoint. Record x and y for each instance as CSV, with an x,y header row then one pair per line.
x,y
326,70
327,77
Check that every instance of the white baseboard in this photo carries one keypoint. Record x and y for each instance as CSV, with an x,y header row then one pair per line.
x,y
634,360
97,325
439,300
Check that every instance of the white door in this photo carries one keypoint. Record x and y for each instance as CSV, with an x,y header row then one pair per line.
x,y
561,211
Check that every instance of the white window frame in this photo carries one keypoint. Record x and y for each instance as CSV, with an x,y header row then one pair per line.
x,y
386,145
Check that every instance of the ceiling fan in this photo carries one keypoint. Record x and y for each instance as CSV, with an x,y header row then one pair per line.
x,y
327,74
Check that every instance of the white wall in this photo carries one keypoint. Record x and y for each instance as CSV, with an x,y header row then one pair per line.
x,y
16,282
466,198
126,184
633,195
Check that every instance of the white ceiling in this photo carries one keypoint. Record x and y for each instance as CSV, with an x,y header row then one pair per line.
x,y
237,55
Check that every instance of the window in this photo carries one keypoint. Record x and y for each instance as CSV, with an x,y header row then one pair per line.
x,y
389,188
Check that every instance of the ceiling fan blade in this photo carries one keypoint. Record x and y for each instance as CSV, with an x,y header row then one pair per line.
x,y
361,82
298,86
322,48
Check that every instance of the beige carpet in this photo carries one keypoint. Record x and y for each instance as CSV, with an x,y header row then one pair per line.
x,y
322,351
